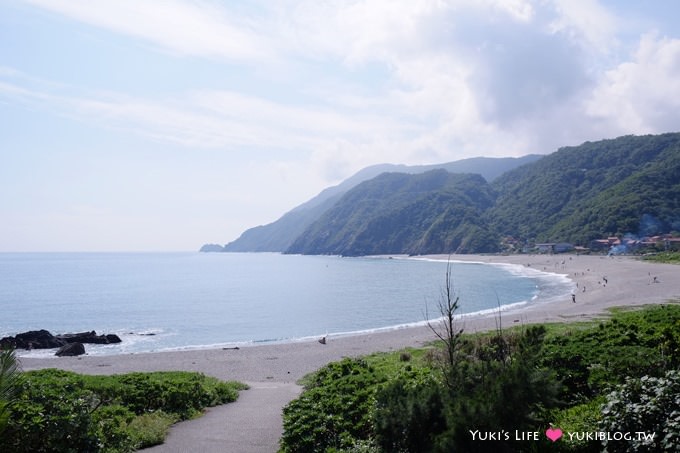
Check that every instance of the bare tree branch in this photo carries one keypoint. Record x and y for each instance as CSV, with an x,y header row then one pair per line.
x,y
446,330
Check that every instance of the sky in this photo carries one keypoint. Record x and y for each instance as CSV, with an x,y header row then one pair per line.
x,y
161,125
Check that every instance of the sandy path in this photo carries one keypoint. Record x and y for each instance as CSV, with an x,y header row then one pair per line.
x,y
254,422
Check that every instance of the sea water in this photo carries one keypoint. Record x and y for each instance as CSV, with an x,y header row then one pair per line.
x,y
168,301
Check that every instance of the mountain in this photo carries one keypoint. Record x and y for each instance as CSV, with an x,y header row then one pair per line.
x,y
278,236
624,186
627,185
431,212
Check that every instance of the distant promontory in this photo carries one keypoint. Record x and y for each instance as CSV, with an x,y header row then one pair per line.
x,y
212,248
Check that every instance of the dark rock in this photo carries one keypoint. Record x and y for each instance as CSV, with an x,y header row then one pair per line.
x,y
8,343
113,338
89,337
42,339
70,350
34,339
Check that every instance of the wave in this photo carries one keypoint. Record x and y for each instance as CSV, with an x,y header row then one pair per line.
x,y
551,286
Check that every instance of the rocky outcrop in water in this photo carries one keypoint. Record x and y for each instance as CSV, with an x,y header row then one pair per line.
x,y
70,350
89,337
34,339
43,339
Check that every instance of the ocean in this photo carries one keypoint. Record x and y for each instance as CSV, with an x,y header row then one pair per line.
x,y
172,301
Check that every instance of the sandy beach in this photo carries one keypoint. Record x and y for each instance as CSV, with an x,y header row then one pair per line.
x,y
272,370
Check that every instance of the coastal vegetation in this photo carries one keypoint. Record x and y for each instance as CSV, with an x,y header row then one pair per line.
x,y
55,410
665,257
10,380
619,374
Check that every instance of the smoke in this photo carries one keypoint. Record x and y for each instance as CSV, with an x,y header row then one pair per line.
x,y
628,244
651,226
618,250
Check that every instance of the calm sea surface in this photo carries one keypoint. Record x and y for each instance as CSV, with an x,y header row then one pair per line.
x,y
165,301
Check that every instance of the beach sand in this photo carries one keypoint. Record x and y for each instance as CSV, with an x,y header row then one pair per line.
x,y
272,370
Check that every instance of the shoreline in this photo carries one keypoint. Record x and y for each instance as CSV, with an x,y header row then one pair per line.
x,y
608,282
547,286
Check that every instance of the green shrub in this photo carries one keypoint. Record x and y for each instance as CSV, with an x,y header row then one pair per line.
x,y
502,381
646,343
50,417
334,411
67,412
504,393
649,405
373,403
112,428
582,418
409,413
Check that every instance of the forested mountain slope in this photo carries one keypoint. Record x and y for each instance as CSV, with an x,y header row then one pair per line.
x,y
279,235
624,186
400,213
628,185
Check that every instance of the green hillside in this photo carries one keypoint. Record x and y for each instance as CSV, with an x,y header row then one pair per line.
x,y
628,185
431,212
279,235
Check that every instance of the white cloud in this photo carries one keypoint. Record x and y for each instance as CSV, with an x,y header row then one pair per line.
x,y
641,95
586,21
219,119
458,78
198,28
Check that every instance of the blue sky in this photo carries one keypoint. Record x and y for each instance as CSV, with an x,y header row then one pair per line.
x,y
161,125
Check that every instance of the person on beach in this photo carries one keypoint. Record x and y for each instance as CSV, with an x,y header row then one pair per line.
x,y
573,297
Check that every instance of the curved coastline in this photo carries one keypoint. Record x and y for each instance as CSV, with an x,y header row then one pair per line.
x,y
272,370
548,286
629,284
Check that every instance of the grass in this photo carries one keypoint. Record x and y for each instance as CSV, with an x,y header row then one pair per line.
x,y
150,429
386,364
664,257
